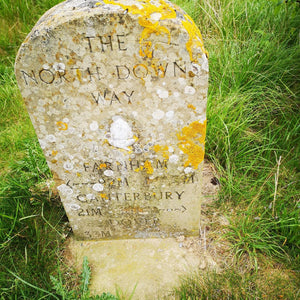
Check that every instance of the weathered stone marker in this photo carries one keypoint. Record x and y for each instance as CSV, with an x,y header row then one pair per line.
x,y
116,91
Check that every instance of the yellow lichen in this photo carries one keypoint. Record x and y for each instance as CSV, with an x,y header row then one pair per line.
x,y
191,142
191,106
103,196
62,125
148,167
78,75
164,150
71,61
145,10
54,152
102,166
159,148
195,37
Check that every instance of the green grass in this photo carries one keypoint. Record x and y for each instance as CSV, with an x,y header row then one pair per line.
x,y
252,138
234,285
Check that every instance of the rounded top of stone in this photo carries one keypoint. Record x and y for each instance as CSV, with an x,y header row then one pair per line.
x,y
153,15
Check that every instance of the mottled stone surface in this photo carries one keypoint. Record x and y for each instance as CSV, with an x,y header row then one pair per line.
x,y
147,268
116,91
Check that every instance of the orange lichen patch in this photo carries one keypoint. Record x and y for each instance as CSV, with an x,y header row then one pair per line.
x,y
105,142
191,142
58,55
159,70
78,75
78,174
191,106
195,37
54,152
71,61
166,154
62,125
159,148
102,166
103,196
148,167
164,150
145,10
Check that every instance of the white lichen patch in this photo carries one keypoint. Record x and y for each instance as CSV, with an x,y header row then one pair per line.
x,y
189,90
90,196
98,187
120,135
158,114
170,114
173,159
155,16
64,189
162,93
108,173
75,206
188,170
51,138
68,166
94,126
59,67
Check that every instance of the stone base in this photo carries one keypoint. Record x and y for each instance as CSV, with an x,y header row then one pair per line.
x,y
146,268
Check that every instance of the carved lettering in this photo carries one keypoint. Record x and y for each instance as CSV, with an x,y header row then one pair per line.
x,y
123,72
121,42
108,42
104,42
46,76
89,212
110,97
94,73
89,42
128,96
160,71
27,76
140,71
180,68
179,194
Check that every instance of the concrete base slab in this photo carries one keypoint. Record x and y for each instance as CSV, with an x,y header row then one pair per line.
x,y
148,268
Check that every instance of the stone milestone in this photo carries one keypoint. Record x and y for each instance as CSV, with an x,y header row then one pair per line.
x,y
116,92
